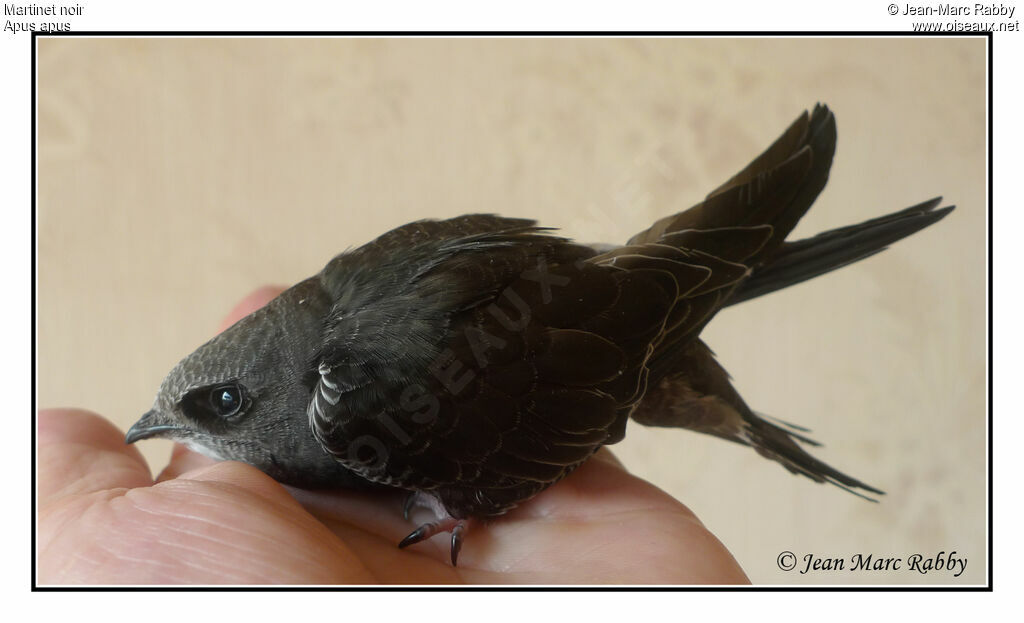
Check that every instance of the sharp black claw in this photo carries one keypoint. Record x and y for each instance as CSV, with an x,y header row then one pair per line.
x,y
456,526
417,535
410,501
456,543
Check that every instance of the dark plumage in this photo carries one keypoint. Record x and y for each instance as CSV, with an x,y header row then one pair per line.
x,y
480,359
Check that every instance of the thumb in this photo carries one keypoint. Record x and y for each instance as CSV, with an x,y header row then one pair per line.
x,y
81,452
183,460
251,303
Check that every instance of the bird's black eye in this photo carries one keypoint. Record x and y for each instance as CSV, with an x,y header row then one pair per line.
x,y
226,400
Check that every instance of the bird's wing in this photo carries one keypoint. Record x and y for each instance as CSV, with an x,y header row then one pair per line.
x,y
741,224
497,362
442,360
776,189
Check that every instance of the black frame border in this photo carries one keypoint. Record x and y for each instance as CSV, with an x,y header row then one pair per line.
x,y
509,33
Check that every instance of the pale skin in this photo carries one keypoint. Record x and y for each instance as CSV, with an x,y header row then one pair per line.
x,y
103,519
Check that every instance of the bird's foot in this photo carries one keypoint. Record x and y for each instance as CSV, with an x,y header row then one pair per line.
x,y
456,526
445,523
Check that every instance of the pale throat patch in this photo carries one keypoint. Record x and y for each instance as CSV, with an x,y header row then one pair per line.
x,y
195,446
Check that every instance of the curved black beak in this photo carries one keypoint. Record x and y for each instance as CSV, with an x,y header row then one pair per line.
x,y
151,424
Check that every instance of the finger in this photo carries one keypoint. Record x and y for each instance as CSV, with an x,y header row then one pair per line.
x,y
183,460
236,482
225,523
600,487
251,303
607,456
81,452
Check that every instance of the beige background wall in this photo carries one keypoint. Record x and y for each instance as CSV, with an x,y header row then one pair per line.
x,y
176,175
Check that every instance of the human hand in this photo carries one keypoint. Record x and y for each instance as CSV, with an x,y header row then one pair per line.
x,y
104,520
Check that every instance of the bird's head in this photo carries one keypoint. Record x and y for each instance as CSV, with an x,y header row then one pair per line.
x,y
242,396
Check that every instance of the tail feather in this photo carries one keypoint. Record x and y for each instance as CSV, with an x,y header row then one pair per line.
x,y
698,396
793,430
776,443
805,259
